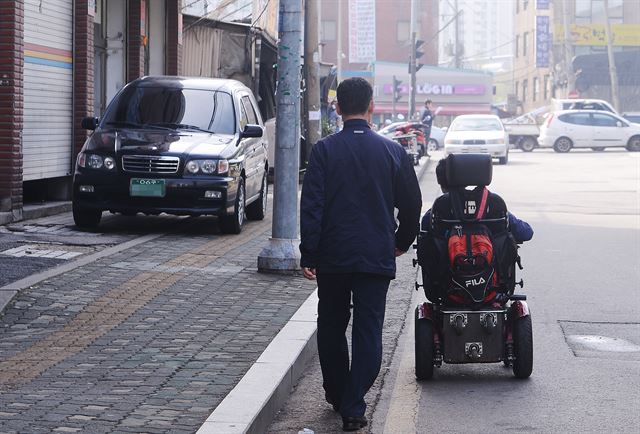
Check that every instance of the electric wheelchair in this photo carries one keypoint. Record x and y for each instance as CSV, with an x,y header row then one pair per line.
x,y
468,260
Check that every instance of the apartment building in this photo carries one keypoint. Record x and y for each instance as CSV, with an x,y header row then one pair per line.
x,y
375,31
551,62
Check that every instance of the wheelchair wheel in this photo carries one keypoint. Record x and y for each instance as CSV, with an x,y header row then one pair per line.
x,y
522,347
424,348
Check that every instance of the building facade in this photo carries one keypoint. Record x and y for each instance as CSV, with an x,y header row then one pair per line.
x,y
551,62
452,91
61,61
373,31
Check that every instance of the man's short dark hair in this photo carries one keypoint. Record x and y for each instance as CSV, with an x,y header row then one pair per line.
x,y
427,102
354,96
441,174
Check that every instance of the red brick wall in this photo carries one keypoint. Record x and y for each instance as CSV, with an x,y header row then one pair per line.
x,y
174,38
11,103
135,50
83,58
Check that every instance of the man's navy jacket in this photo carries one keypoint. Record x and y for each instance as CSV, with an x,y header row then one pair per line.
x,y
353,182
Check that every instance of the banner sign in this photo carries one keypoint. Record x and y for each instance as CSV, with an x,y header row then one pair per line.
x,y
594,34
362,31
543,41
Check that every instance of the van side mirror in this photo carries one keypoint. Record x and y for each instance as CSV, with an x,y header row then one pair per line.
x,y
90,123
252,130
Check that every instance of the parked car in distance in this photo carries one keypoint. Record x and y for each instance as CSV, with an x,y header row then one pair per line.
x,y
581,104
632,117
477,134
436,140
182,146
593,129
524,130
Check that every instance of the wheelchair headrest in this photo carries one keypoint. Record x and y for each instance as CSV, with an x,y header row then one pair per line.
x,y
469,169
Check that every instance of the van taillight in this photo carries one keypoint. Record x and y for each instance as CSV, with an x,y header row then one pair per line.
x,y
549,119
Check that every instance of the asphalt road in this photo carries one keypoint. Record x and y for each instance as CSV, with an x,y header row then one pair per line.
x,y
582,279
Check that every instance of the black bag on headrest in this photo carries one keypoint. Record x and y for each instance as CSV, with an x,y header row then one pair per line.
x,y
469,169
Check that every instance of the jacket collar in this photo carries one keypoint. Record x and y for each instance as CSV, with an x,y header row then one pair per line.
x,y
356,123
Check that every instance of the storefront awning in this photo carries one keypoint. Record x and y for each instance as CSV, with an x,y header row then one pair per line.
x,y
445,109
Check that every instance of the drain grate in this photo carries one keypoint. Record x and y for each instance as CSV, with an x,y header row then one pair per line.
x,y
603,339
40,251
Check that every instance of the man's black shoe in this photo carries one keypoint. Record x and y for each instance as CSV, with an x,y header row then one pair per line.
x,y
353,423
335,406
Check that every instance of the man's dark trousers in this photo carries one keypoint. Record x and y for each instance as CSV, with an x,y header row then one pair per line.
x,y
347,386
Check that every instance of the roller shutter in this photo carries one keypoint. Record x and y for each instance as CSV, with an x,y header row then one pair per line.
x,y
48,83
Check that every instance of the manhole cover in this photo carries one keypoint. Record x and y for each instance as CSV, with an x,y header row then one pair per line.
x,y
603,339
44,251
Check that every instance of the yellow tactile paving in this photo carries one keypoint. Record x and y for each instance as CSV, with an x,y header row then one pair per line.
x,y
113,308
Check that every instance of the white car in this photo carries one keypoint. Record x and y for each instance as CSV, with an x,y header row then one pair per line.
x,y
581,104
436,140
593,129
477,134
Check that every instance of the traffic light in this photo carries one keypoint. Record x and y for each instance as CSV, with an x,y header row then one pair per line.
x,y
418,54
396,89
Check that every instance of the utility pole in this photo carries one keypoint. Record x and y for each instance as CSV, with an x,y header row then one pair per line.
x,y
613,73
312,72
412,59
457,46
339,43
281,254
568,50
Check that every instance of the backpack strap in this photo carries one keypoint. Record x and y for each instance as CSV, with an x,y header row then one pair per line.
x,y
455,196
483,203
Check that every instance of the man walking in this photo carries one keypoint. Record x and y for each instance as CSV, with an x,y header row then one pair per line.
x,y
349,242
426,118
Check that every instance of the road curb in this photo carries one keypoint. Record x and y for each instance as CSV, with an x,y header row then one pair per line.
x,y
253,403
30,212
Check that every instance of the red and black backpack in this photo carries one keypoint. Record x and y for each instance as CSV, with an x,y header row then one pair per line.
x,y
470,254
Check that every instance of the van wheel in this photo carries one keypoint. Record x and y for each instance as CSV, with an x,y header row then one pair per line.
x,y
258,209
232,224
527,144
563,145
423,347
86,218
505,159
522,347
633,144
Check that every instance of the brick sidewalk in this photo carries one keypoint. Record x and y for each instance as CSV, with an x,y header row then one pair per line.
x,y
150,339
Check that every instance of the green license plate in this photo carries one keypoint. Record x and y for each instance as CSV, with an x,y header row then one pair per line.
x,y
147,187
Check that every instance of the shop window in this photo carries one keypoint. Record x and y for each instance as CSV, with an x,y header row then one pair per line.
x,y
328,31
